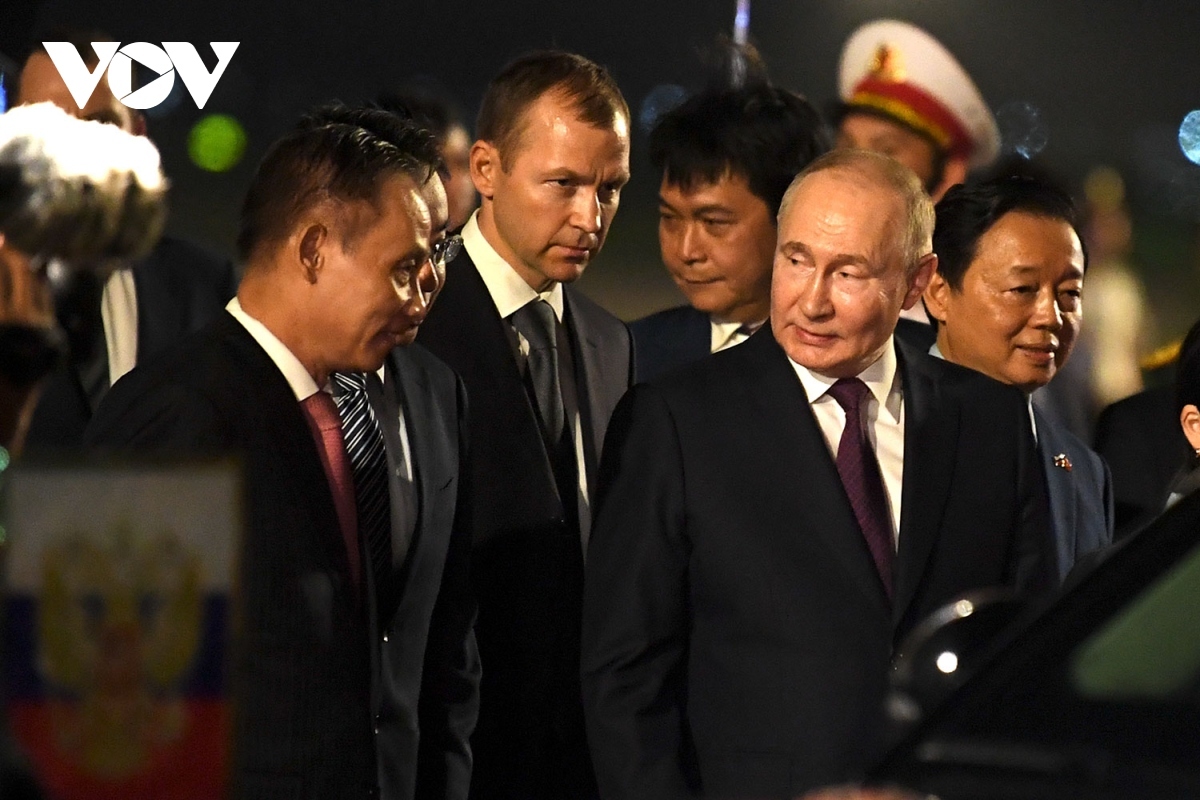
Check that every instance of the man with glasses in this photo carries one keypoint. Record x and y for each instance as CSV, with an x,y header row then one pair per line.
x,y
354,672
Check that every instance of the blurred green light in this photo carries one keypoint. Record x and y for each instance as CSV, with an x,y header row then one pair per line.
x,y
217,143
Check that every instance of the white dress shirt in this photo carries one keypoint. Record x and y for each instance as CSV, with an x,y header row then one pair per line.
x,y
511,293
119,313
885,420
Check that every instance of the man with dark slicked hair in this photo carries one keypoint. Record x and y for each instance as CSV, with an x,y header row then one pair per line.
x,y
725,158
1007,300
544,367
354,673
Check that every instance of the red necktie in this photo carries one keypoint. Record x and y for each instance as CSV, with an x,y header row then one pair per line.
x,y
859,470
326,426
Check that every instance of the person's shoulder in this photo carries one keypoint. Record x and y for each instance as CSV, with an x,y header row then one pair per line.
x,y
1138,406
667,319
723,373
423,362
198,355
595,313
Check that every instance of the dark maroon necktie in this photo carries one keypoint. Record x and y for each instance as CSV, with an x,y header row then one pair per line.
x,y
859,470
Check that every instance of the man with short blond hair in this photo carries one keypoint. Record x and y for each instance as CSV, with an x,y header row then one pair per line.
x,y
772,521
544,367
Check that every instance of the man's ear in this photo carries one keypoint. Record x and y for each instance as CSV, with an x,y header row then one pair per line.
x,y
310,250
926,269
485,163
1189,419
937,297
954,173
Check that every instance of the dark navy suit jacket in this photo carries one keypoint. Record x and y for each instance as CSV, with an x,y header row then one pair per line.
x,y
670,339
1081,497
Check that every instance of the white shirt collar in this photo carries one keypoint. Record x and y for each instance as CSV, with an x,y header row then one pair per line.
x,y
880,377
509,290
302,383
727,334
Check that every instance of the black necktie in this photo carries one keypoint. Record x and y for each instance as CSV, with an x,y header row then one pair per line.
x,y
368,461
859,471
537,323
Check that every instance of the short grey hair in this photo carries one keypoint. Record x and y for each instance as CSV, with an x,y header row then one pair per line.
x,y
888,174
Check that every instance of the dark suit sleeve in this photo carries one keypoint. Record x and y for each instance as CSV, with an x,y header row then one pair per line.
x,y
635,615
449,704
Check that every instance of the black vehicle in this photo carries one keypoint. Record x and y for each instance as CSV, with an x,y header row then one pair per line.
x,y
1097,697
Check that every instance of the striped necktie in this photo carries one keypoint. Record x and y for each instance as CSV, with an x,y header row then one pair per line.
x,y
368,461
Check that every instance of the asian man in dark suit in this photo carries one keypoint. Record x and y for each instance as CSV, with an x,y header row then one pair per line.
x,y
1007,300
544,367
725,158
355,673
143,307
771,521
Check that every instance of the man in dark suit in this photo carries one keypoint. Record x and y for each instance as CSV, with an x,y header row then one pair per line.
x,y
1007,300
355,673
142,308
772,521
1140,439
544,367
726,156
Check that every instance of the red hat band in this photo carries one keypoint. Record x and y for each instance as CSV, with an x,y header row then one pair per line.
x,y
916,108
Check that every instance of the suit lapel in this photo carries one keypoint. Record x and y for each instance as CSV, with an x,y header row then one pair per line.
x,y
427,447
591,367
1062,489
931,424
794,444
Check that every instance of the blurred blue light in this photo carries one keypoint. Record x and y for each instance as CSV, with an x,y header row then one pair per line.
x,y
3,95
661,99
1022,130
1189,137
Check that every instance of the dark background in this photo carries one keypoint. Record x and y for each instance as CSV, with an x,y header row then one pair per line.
x,y
1109,80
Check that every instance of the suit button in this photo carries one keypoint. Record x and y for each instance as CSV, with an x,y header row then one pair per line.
x,y
385,636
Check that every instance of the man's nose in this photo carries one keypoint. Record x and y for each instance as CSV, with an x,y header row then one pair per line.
x,y
814,296
585,210
690,248
1046,313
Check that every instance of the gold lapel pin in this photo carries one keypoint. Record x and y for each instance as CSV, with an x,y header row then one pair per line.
x,y
1062,462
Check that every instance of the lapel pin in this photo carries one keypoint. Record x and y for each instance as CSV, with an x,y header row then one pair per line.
x,y
1062,462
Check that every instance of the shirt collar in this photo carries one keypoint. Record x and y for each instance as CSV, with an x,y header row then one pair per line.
x,y
880,377
509,291
302,383
723,332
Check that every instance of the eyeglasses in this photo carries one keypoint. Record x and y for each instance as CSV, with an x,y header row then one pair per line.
x,y
445,251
